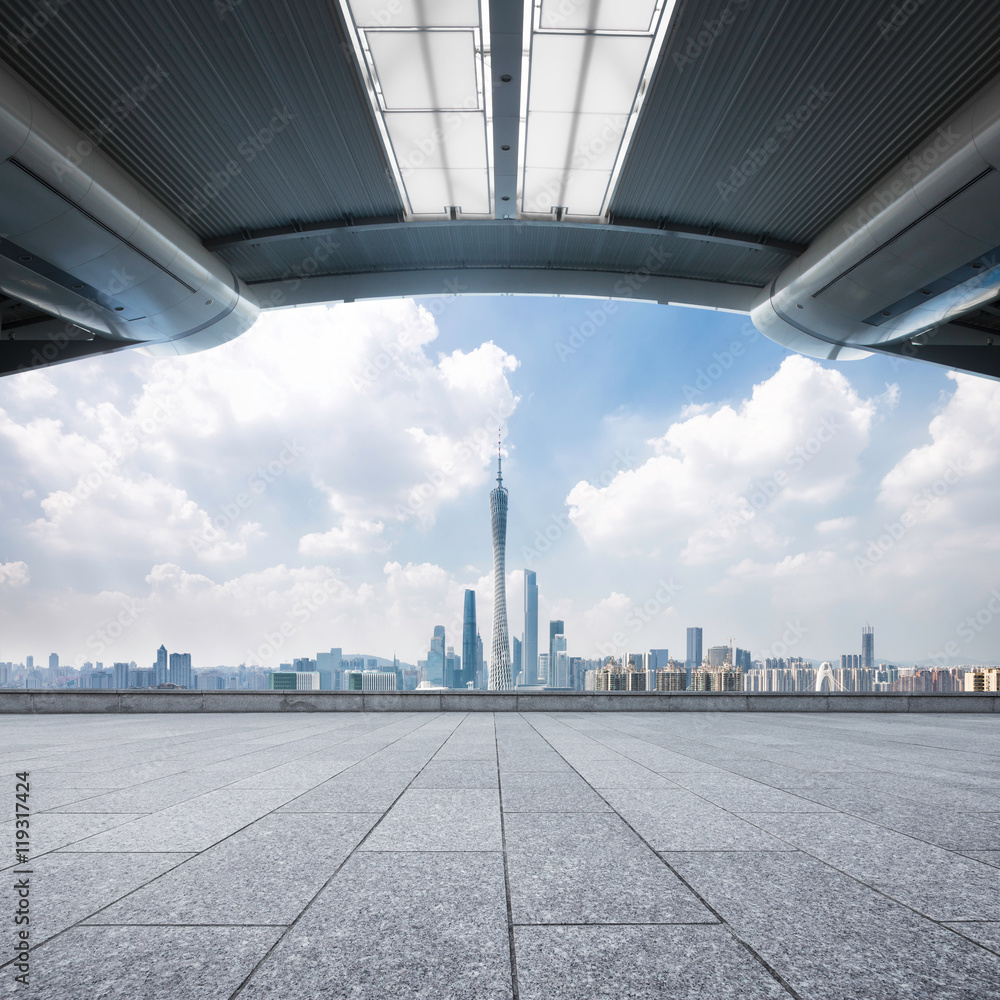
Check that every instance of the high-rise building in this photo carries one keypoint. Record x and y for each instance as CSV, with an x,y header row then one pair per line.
x,y
543,668
29,663
868,648
658,659
500,678
161,665
516,665
180,669
530,653
555,628
693,659
480,673
718,656
328,666
452,669
121,676
559,663
742,659
435,657
54,662
470,661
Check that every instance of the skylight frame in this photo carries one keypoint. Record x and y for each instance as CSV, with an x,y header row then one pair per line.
x,y
484,92
661,22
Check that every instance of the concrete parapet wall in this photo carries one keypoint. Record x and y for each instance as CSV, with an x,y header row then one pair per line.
x,y
45,702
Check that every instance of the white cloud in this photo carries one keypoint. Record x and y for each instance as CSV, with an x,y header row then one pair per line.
x,y
352,536
717,477
342,401
14,574
836,524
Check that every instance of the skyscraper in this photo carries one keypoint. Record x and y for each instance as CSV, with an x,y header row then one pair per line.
x,y
500,679
559,663
516,666
530,651
53,662
180,669
693,658
868,647
435,657
555,628
470,660
161,665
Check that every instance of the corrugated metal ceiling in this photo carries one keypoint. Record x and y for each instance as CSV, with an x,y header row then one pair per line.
x,y
886,78
231,66
266,87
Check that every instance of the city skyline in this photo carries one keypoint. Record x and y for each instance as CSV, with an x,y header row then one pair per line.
x,y
257,524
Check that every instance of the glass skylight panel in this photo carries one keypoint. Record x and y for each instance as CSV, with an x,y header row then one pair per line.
x,y
598,15
425,70
415,13
588,68
586,72
425,64
422,141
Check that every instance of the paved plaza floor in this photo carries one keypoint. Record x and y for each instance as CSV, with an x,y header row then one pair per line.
x,y
532,856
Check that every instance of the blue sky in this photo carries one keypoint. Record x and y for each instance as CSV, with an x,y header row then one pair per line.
x,y
323,481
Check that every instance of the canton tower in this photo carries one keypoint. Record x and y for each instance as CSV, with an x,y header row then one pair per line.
x,y
500,679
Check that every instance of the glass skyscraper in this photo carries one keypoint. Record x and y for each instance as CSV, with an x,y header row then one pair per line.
x,y
470,659
693,659
530,648
868,648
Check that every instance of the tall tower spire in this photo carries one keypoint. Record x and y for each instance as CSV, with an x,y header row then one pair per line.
x,y
500,675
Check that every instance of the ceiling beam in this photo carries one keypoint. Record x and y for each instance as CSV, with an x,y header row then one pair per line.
x,y
704,234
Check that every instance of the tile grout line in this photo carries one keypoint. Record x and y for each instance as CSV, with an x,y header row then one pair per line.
x,y
772,972
515,986
357,847
194,854
789,812
247,753
944,923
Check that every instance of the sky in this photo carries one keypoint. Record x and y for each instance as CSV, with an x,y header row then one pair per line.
x,y
323,481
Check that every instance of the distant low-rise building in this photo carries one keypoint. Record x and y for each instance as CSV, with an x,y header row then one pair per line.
x,y
294,680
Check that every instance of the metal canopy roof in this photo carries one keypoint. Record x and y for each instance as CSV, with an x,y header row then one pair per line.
x,y
250,122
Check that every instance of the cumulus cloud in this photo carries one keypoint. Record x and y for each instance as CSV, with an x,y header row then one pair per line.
x,y
343,402
718,475
14,574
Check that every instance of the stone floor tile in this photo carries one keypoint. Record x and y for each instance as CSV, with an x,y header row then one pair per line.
x,y
679,820
640,963
192,825
398,925
547,791
265,874
832,938
984,932
144,963
439,819
935,882
67,887
457,774
556,876
353,790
